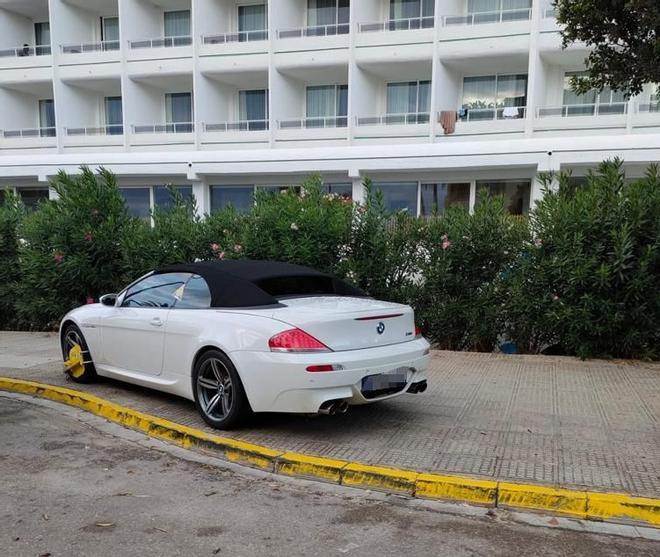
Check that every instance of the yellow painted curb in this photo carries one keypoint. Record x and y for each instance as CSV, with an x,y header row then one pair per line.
x,y
379,477
295,464
623,507
580,503
537,497
457,488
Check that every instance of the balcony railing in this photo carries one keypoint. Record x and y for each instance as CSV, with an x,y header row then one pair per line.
x,y
398,24
316,31
499,16
31,132
162,42
314,122
174,127
240,126
652,106
495,113
569,110
113,129
394,119
20,51
239,37
102,46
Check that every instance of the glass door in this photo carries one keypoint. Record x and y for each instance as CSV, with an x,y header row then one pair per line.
x,y
46,118
114,120
252,23
110,33
179,112
253,109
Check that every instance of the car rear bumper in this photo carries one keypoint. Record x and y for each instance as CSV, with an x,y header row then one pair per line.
x,y
280,382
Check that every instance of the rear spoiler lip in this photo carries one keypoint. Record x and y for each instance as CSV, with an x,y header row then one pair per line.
x,y
379,317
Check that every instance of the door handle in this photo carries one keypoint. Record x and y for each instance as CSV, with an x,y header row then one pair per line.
x,y
156,322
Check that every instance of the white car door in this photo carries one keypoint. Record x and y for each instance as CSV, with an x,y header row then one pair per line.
x,y
133,333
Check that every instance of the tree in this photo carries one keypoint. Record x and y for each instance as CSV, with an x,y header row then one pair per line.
x,y
624,37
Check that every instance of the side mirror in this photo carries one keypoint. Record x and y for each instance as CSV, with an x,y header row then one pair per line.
x,y
108,300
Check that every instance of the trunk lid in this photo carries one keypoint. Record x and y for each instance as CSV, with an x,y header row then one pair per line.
x,y
347,323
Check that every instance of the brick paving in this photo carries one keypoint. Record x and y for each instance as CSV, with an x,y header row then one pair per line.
x,y
547,420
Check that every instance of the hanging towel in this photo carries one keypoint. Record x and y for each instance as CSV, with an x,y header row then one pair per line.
x,y
448,121
510,112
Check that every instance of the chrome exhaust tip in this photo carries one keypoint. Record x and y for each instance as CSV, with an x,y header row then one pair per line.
x,y
332,407
418,387
342,407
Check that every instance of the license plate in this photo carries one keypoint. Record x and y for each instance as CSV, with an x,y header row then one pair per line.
x,y
383,381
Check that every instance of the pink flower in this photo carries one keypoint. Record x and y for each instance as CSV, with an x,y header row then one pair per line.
x,y
88,236
538,242
445,242
221,255
238,248
58,257
89,299
215,248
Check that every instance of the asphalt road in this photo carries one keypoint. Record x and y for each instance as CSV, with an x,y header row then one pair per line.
x,y
70,486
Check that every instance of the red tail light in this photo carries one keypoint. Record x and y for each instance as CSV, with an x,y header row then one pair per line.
x,y
296,340
418,332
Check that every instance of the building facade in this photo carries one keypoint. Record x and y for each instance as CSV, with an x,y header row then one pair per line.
x,y
431,99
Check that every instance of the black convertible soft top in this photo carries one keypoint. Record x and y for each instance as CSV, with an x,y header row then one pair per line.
x,y
248,283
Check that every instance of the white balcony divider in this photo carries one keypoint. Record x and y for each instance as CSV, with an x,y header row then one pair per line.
x,y
238,37
162,42
30,132
316,31
240,126
394,119
314,122
102,46
115,129
495,113
20,51
399,24
477,18
174,127
570,110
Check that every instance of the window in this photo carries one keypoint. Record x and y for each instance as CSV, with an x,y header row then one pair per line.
x,y
138,201
32,196
47,118
592,102
240,198
110,33
438,197
253,108
331,17
516,193
252,23
155,291
408,102
114,119
398,196
486,97
344,191
327,102
194,295
42,38
177,27
421,13
164,200
179,111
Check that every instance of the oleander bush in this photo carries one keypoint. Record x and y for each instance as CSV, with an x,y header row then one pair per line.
x,y
11,215
578,276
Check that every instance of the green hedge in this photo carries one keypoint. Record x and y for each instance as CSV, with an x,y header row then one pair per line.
x,y
579,276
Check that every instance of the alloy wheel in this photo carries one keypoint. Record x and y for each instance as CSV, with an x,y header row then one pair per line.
x,y
215,389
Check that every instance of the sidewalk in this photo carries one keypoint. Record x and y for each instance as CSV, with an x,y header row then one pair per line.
x,y
546,420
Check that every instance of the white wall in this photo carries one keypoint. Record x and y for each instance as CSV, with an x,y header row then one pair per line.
x,y
71,24
448,87
368,11
143,103
78,107
214,101
140,19
15,30
287,97
288,14
19,110
366,93
213,17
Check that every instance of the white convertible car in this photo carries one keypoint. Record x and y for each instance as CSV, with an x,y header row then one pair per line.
x,y
242,336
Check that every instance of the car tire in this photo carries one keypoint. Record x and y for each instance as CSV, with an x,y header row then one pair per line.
x,y
71,336
219,394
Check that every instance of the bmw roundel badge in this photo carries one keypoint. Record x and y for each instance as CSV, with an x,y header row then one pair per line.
x,y
381,328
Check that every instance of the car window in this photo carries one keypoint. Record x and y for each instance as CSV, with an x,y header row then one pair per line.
x,y
155,291
194,295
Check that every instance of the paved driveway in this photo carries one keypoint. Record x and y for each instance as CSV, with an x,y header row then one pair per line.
x,y
549,420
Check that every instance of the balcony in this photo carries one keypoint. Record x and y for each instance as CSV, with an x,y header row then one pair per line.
x,y
171,127
161,42
25,50
478,18
313,123
94,136
25,39
316,31
80,48
30,132
580,110
413,126
236,134
240,126
600,116
486,121
29,138
408,24
239,37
